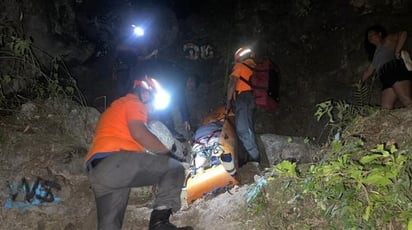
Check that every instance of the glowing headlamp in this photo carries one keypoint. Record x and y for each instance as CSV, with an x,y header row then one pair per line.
x,y
161,99
138,31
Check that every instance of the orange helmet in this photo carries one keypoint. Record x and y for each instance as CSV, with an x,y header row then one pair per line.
x,y
244,53
148,83
157,94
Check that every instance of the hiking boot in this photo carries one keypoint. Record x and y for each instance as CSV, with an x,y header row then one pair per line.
x,y
159,220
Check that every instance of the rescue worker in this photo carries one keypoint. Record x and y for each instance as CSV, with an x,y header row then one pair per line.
x,y
241,94
125,154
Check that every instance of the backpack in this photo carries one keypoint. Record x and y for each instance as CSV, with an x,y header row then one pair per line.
x,y
265,82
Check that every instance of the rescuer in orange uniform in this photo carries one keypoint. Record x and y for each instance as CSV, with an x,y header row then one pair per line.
x,y
241,94
125,154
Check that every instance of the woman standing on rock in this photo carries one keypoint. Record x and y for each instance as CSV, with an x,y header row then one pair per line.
x,y
383,51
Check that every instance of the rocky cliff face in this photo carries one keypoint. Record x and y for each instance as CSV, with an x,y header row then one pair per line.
x,y
317,45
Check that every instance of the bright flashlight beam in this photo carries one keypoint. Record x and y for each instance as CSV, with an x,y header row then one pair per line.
x,y
161,100
138,31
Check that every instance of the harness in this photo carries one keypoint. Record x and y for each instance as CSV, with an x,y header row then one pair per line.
x,y
207,146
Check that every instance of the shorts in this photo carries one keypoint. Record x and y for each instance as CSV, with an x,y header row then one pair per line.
x,y
392,72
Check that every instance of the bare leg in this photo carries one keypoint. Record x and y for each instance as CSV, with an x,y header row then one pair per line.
x,y
403,92
406,59
388,98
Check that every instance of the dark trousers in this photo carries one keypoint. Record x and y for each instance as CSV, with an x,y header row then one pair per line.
x,y
245,106
112,179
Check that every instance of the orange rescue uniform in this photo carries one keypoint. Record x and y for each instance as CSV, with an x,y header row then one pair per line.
x,y
240,69
112,132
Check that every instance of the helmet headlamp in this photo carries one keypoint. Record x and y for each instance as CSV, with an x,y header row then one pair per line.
x,y
161,98
244,53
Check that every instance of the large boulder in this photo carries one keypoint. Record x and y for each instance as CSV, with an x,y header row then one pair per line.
x,y
296,149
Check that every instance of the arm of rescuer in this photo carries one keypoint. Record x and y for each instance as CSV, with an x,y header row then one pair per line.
x,y
147,139
230,93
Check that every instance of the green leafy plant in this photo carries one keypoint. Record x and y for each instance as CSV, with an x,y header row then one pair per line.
x,y
24,78
360,188
339,114
361,94
20,46
286,168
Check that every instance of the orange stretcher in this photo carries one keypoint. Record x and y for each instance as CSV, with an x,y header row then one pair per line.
x,y
219,177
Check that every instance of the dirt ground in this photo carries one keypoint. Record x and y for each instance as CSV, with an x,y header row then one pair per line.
x,y
39,147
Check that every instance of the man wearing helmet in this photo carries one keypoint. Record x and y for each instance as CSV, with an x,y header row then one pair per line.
x,y
175,81
241,94
125,154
